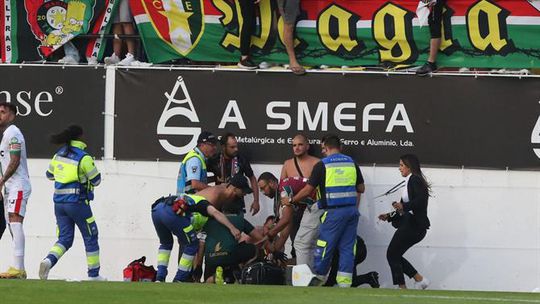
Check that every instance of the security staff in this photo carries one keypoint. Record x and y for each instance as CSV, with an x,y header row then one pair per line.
x,y
411,221
183,216
340,183
75,176
192,174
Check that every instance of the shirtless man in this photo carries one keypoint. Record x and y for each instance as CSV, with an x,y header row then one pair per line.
x,y
185,215
300,145
301,166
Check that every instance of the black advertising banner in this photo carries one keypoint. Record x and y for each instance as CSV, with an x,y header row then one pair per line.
x,y
484,122
50,98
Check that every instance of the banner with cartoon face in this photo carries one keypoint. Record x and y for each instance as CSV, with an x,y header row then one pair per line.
x,y
56,22
31,30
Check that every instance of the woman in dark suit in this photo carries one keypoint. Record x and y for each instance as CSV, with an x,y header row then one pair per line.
x,y
410,219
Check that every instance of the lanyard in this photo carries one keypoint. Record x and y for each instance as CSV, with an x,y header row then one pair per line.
x,y
393,189
234,165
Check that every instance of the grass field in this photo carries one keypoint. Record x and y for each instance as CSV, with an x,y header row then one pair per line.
x,y
33,291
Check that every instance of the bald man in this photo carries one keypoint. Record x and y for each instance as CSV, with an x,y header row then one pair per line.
x,y
307,221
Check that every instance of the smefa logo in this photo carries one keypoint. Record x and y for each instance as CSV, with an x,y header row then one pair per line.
x,y
535,136
174,110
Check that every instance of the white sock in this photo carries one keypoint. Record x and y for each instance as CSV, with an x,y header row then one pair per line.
x,y
18,244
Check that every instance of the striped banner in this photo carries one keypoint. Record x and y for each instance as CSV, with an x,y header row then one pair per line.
x,y
8,31
102,26
483,33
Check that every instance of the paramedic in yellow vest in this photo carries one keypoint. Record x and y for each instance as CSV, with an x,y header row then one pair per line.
x,y
192,174
339,182
75,176
185,215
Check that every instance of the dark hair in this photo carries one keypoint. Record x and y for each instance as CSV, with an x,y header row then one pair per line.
x,y
331,141
412,162
270,218
225,137
304,136
11,107
267,177
72,132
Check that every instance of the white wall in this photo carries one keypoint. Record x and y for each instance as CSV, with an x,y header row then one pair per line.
x,y
485,231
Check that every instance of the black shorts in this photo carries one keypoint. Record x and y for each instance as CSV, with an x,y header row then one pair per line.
x,y
242,253
435,19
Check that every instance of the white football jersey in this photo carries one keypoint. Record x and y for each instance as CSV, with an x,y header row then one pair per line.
x,y
13,141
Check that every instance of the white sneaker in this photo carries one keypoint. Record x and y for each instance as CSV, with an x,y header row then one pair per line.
x,y
128,60
92,60
140,64
68,60
98,278
113,59
44,268
422,284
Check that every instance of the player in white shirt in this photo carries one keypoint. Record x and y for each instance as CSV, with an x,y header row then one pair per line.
x,y
15,183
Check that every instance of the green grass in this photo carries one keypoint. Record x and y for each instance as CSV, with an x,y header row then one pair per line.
x,y
32,291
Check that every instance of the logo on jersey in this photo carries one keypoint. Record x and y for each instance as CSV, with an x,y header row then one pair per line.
x,y
175,107
217,247
14,144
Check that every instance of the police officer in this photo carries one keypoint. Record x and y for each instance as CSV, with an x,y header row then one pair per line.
x,y
340,183
192,174
75,176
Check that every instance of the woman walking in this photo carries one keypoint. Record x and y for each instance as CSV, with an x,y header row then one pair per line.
x,y
410,219
75,177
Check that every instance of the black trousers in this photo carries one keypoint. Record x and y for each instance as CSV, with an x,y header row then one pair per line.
x,y
404,238
248,27
435,19
2,220
359,257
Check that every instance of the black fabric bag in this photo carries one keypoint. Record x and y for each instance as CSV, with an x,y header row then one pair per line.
x,y
263,273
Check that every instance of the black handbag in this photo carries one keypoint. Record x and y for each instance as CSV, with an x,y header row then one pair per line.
x,y
263,273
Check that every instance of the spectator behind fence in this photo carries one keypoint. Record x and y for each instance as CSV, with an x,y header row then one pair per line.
x,y
247,8
410,219
435,29
290,10
122,24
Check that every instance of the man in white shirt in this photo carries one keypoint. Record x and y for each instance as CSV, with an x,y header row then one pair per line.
x,y
16,185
